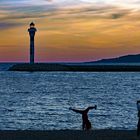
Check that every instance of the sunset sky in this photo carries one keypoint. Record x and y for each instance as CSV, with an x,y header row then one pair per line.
x,y
69,30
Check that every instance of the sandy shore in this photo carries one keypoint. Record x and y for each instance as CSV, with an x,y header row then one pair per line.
x,y
69,135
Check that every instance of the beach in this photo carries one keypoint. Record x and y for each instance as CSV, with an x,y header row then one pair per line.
x,y
69,135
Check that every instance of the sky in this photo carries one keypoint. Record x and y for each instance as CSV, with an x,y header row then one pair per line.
x,y
69,30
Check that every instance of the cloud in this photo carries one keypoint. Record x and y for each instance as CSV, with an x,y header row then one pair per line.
x,y
67,25
4,26
53,13
49,0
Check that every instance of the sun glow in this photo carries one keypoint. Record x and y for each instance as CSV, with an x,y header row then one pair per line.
x,y
77,33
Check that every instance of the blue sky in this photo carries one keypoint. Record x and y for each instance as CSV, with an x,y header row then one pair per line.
x,y
130,3
41,5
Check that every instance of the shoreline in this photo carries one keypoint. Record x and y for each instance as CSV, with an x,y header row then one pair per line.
x,y
53,67
69,135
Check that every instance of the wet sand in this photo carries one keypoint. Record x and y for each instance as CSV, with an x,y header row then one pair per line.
x,y
69,135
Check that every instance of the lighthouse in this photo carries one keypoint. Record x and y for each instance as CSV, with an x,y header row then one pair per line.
x,y
32,30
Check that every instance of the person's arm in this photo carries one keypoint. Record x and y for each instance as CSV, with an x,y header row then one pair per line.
x,y
91,107
77,111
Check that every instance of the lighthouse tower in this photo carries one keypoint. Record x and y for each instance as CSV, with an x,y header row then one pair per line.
x,y
32,31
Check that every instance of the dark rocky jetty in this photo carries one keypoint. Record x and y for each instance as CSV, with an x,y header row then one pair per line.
x,y
74,67
39,67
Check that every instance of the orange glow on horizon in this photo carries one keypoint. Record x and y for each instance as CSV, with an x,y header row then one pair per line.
x,y
66,37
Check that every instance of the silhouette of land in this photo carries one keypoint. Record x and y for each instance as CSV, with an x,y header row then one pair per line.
x,y
69,135
124,63
121,59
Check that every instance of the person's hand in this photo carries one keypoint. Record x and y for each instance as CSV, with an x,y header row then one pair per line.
x,y
70,108
95,107
138,101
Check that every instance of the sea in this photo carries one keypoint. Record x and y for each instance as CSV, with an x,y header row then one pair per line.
x,y
41,100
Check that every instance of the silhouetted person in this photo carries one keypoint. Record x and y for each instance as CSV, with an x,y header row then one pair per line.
x,y
138,125
86,125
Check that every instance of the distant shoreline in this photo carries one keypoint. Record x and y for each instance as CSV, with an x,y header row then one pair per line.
x,y
75,67
69,135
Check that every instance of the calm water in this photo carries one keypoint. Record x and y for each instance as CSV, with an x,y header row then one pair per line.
x,y
41,101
